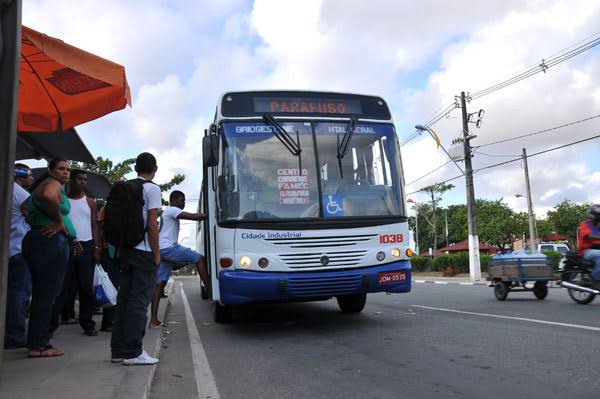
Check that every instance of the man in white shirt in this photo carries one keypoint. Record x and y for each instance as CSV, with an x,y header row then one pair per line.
x,y
171,253
19,279
80,272
138,272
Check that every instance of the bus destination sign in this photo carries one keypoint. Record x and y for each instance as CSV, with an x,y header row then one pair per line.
x,y
302,105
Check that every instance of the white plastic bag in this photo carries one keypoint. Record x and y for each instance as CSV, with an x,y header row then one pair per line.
x,y
105,293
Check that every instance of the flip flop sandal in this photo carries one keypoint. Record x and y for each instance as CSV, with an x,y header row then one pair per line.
x,y
160,324
48,352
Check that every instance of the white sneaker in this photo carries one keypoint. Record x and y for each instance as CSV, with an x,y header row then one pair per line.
x,y
143,359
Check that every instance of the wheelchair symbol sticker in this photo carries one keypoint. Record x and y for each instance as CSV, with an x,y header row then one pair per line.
x,y
333,205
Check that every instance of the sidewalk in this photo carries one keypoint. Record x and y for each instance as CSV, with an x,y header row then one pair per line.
x,y
85,371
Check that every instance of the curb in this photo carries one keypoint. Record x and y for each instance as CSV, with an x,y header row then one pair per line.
x,y
135,388
551,284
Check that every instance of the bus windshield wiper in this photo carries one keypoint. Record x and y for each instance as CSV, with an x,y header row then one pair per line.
x,y
287,140
342,146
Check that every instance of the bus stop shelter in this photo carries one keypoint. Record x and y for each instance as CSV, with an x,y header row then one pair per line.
x,y
79,86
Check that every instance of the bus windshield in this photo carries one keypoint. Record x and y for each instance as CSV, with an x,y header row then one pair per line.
x,y
261,179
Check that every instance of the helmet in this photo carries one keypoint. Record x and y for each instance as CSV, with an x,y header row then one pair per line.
x,y
594,212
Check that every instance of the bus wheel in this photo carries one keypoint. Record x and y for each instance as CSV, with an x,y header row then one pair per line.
x,y
352,303
203,292
222,313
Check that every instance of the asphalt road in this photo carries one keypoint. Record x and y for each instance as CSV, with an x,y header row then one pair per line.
x,y
439,341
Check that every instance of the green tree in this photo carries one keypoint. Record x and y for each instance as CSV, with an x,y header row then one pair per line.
x,y
498,224
566,216
117,172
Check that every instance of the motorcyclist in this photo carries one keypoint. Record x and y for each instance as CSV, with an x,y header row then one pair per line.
x,y
589,241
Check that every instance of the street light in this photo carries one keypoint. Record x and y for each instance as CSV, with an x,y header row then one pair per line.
x,y
433,134
416,224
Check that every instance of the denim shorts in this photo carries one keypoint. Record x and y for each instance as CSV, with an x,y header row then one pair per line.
x,y
173,256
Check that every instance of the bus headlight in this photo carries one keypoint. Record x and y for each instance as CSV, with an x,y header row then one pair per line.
x,y
380,256
245,261
396,252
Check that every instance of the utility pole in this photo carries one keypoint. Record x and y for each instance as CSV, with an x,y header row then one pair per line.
x,y
446,219
434,224
529,206
474,263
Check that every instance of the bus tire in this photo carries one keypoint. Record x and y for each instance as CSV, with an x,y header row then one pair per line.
x,y
222,313
203,292
352,303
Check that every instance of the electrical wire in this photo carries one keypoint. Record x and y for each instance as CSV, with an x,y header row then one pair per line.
x,y
442,182
542,67
538,132
537,153
513,160
428,173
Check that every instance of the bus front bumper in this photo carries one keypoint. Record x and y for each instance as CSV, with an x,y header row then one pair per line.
x,y
243,286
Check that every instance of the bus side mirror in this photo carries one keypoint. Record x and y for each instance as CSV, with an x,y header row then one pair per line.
x,y
210,150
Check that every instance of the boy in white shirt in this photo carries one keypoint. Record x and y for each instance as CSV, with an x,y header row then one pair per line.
x,y
171,253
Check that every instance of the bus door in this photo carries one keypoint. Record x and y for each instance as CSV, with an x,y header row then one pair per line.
x,y
210,154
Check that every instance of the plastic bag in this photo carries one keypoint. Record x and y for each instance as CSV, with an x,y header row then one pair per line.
x,y
105,293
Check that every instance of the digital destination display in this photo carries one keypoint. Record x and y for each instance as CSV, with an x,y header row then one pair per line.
x,y
301,105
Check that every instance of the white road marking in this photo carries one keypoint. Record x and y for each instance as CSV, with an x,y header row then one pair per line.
x,y
553,323
205,381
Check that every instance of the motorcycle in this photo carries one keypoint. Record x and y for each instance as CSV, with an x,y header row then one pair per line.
x,y
576,277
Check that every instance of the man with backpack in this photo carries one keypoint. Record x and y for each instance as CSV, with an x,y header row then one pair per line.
x,y
131,224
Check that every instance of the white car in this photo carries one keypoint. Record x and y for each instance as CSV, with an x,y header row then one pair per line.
x,y
558,247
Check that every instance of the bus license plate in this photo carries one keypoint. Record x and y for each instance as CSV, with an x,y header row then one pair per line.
x,y
391,277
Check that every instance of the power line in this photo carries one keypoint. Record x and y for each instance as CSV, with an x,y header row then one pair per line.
x,y
542,67
514,160
430,172
538,153
442,182
495,155
554,59
437,116
539,132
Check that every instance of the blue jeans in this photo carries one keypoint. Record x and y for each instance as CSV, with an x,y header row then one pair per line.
x,y
17,298
47,259
594,256
172,256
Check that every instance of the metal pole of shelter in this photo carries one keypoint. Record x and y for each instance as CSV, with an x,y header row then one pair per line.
x,y
474,263
10,29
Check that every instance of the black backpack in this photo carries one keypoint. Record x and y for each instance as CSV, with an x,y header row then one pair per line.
x,y
124,218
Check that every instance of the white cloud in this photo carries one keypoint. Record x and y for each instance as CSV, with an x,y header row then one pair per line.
x,y
181,55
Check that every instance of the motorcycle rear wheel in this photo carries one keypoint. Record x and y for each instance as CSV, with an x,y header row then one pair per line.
x,y
584,279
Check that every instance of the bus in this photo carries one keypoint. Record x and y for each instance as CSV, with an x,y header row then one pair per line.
x,y
304,193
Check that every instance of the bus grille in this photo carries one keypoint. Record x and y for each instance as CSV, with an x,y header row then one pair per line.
x,y
321,242
348,283
319,259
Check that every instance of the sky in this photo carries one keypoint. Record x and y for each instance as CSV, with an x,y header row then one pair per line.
x,y
180,56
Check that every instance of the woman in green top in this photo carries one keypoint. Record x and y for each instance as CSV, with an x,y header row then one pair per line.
x,y
46,249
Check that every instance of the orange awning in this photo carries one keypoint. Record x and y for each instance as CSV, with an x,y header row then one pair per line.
x,y
61,86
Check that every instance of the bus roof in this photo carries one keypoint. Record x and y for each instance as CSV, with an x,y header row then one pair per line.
x,y
300,103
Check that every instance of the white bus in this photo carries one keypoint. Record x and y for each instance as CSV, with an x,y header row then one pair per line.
x,y
304,193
